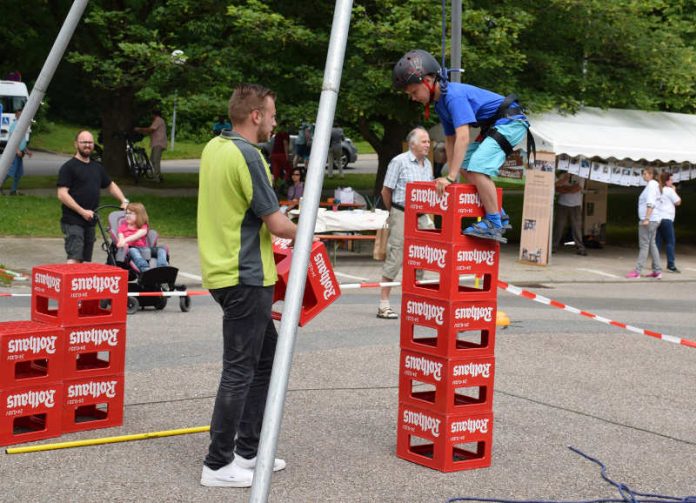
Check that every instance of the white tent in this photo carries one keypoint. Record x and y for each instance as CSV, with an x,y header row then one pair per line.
x,y
619,134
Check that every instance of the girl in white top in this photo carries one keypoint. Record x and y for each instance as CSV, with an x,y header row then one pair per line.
x,y
666,210
649,220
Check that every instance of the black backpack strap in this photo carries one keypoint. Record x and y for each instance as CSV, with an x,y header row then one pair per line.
x,y
502,141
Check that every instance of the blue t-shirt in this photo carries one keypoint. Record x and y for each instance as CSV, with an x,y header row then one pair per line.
x,y
464,104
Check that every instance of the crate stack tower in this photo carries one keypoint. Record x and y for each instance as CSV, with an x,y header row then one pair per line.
x,y
447,362
63,371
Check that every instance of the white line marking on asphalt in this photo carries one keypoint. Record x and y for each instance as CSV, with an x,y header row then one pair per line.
x,y
690,269
595,271
350,276
190,276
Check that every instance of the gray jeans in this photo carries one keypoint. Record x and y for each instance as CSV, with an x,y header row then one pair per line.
x,y
156,159
646,241
568,215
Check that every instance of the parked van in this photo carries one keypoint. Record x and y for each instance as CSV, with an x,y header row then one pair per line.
x,y
13,97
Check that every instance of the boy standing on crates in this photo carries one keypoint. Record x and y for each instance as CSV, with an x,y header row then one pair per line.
x,y
460,107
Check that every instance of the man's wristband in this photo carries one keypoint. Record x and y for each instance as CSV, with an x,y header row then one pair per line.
x,y
449,179
125,201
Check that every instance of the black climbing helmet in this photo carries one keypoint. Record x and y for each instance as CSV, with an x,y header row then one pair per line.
x,y
413,66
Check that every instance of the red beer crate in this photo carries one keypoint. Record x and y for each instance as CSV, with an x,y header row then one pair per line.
x,y
444,442
94,350
467,270
446,385
29,413
448,329
30,353
458,203
79,294
321,288
93,402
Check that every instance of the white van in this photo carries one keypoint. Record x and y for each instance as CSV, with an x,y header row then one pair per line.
x,y
13,97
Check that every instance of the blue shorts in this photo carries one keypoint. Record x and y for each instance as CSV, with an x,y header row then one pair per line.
x,y
487,157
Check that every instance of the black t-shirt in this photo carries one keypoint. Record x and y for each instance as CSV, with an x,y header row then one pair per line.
x,y
84,181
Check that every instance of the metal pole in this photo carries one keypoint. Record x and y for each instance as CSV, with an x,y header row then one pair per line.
x,y
176,95
456,42
42,82
300,258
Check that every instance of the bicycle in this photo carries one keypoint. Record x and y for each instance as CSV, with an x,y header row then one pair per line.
x,y
139,165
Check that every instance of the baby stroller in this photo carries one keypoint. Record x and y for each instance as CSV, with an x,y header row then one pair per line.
x,y
155,279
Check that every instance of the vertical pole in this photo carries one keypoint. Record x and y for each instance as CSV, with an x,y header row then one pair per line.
x,y
456,42
300,257
176,95
42,82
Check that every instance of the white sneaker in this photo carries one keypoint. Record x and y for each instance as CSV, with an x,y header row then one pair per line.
x,y
231,475
250,464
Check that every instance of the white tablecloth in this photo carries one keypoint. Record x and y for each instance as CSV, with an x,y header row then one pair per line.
x,y
349,220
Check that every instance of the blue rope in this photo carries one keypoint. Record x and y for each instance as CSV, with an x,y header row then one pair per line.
x,y
627,494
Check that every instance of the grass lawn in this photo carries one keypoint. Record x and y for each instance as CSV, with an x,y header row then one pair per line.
x,y
59,137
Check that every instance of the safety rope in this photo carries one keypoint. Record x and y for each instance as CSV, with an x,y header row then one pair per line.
x,y
627,494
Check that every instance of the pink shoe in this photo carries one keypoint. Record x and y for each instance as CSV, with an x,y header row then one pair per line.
x,y
633,275
654,274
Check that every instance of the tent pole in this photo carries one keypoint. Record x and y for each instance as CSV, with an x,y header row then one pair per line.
x,y
300,257
42,82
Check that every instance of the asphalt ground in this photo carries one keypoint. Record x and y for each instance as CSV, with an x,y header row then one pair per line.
x,y
561,380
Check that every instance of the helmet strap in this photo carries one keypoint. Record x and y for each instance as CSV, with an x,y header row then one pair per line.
x,y
431,89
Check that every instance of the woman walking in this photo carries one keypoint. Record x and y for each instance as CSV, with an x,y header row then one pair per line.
x,y
648,221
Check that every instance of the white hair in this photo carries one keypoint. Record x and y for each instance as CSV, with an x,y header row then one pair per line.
x,y
411,138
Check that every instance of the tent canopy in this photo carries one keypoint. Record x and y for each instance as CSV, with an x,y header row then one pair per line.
x,y
620,134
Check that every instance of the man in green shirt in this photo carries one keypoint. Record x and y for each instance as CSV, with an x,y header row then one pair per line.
x,y
237,213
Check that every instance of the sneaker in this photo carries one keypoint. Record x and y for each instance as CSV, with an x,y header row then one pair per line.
x,y
486,230
673,269
654,274
582,252
231,475
250,464
386,313
633,274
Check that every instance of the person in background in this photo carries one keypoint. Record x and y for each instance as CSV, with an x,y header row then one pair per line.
x,y
79,183
237,214
221,124
410,166
648,221
280,155
301,148
16,170
335,152
296,189
568,211
158,142
133,233
439,158
666,211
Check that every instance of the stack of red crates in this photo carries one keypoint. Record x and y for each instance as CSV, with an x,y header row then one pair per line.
x,y
448,327
63,371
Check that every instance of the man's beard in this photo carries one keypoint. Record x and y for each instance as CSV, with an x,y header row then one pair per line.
x,y
84,152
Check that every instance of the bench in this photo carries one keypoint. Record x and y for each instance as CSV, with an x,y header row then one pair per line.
x,y
338,238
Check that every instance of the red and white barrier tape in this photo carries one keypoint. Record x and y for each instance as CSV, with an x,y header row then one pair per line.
x,y
501,284
554,303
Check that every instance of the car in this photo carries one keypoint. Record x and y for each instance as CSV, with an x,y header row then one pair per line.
x,y
349,153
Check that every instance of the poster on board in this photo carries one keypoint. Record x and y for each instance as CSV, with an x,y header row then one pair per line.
x,y
537,212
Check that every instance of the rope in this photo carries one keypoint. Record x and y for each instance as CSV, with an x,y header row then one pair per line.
x,y
627,494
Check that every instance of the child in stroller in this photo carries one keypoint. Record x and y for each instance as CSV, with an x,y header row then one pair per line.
x,y
134,246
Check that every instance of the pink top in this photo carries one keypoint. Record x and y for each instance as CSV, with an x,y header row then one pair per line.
x,y
129,231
